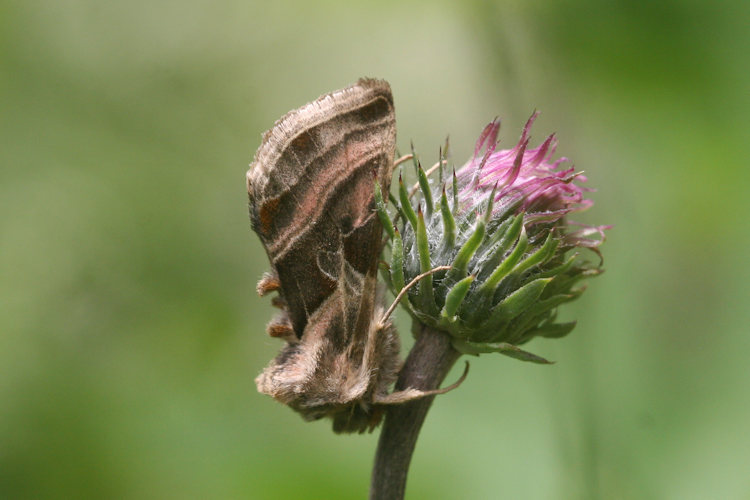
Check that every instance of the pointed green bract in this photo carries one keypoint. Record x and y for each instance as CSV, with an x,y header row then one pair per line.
x,y
397,206
461,262
515,303
498,245
490,204
414,157
455,192
502,270
514,231
397,263
456,296
561,269
546,251
543,305
555,330
441,159
424,184
468,347
385,219
426,293
423,245
406,207
449,223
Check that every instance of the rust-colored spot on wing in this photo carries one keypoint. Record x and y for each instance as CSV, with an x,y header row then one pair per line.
x,y
303,145
267,214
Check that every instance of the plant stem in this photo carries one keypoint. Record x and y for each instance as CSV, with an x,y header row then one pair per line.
x,y
428,363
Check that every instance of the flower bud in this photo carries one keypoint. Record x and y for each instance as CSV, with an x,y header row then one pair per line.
x,y
501,223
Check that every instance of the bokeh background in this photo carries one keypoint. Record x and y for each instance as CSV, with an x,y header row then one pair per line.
x,y
130,332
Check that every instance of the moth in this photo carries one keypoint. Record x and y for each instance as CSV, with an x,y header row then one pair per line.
x,y
311,192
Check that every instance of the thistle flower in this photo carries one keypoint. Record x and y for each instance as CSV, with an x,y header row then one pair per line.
x,y
501,223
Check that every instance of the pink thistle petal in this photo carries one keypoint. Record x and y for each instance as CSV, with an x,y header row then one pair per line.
x,y
538,155
512,174
488,134
527,127
528,180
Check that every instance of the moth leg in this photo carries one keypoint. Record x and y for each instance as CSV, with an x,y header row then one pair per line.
x,y
410,394
281,327
278,302
268,283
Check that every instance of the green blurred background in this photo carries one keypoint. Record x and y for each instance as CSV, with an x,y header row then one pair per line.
x,y
130,332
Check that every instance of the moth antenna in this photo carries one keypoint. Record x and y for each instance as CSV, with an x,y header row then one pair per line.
x,y
402,159
410,394
267,284
406,289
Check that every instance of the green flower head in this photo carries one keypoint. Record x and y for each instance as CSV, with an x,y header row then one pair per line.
x,y
501,224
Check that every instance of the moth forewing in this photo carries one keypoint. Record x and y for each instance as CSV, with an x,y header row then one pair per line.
x,y
311,203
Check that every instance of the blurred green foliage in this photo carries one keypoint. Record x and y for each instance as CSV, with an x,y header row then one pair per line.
x,y
130,333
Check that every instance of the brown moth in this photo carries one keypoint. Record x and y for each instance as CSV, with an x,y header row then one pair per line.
x,y
311,190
